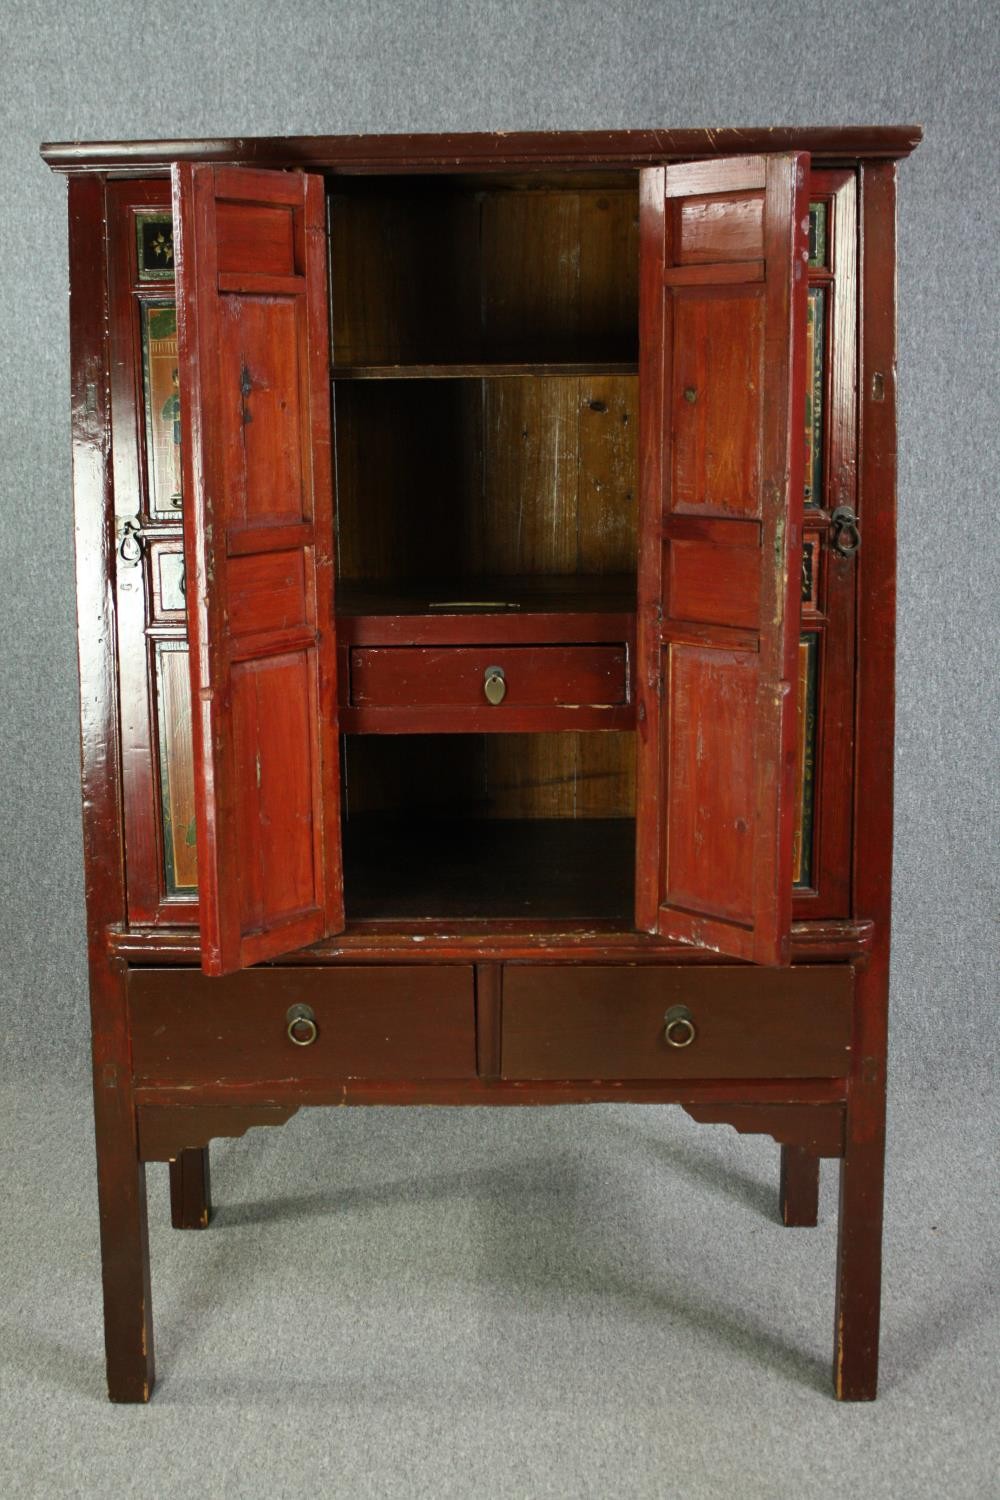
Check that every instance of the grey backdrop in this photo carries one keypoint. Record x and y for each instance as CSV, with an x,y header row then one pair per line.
x,y
513,1303
99,70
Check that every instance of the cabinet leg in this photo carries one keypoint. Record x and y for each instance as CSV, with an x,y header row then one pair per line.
x,y
128,1315
799,1187
859,1264
190,1190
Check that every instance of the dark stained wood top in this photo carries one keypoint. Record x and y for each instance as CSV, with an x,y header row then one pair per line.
x,y
481,152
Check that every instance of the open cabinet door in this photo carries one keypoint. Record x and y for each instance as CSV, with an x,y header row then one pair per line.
x,y
258,543
723,261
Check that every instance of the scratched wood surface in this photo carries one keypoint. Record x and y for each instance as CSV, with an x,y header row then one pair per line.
x,y
609,1022
381,1022
549,152
724,252
258,524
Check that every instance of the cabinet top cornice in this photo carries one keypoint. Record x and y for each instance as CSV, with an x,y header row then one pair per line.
x,y
502,151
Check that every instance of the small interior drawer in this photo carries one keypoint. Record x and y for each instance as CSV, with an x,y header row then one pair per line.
x,y
380,1022
599,1022
553,676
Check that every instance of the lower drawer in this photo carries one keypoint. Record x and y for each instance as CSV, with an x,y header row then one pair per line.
x,y
379,1023
611,1022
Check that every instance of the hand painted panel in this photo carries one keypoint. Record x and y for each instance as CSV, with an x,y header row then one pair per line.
x,y
176,768
171,591
817,235
815,406
805,768
161,393
154,235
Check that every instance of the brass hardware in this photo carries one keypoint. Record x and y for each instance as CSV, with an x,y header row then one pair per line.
x,y
678,1027
846,536
472,604
690,394
494,685
130,548
302,1028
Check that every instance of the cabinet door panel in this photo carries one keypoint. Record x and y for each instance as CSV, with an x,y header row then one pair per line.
x,y
723,261
258,538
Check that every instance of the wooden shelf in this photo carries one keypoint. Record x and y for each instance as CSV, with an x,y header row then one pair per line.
x,y
507,597
484,370
557,868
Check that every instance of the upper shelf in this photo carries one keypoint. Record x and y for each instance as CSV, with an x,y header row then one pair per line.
x,y
484,370
527,594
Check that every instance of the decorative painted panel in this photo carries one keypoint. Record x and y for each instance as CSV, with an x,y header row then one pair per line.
x,y
808,575
817,235
815,377
805,775
155,246
163,408
171,582
176,767
812,556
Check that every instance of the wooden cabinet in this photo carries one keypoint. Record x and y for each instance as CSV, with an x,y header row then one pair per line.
x,y
486,694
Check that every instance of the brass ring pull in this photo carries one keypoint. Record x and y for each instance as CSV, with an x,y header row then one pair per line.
x,y
678,1027
302,1029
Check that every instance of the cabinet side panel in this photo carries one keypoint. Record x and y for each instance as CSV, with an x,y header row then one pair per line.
x,y
861,1180
121,1178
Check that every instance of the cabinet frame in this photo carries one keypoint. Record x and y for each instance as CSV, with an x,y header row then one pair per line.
x,y
842,1117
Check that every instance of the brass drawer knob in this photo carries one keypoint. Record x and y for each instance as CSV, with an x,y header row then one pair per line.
x,y
678,1027
301,1025
495,685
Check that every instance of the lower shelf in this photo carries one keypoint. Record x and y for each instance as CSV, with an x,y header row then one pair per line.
x,y
466,868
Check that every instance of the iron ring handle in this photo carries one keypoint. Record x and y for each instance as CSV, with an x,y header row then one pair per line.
x,y
845,533
130,546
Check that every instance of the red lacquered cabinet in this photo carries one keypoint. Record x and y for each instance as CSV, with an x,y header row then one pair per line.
x,y
486,565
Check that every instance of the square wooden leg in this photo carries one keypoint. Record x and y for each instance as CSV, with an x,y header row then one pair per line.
x,y
128,1313
859,1263
799,1187
190,1190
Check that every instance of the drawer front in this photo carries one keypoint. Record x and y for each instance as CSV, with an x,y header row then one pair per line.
x,y
373,1023
456,676
609,1022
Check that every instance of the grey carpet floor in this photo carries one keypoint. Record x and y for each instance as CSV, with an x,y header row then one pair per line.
x,y
577,1302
